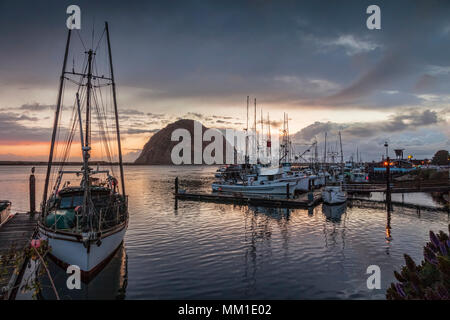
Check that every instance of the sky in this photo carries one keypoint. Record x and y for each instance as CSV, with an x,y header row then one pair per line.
x,y
315,60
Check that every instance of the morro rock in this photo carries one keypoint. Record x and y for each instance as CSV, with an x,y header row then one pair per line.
x,y
157,151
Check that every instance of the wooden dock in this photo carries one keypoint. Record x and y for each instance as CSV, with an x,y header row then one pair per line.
x,y
15,234
399,187
236,198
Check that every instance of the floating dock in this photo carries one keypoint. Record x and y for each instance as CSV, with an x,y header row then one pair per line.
x,y
254,200
15,235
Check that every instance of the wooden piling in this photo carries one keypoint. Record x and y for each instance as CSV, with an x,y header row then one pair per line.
x,y
32,192
176,185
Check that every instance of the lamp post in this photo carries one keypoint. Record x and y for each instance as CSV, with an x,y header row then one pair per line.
x,y
388,177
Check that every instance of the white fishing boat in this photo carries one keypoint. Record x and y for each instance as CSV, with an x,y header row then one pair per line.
x,y
85,222
334,195
266,181
357,175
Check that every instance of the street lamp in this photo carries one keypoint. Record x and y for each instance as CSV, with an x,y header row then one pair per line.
x,y
386,146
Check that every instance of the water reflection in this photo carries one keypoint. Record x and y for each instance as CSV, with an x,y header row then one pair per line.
x,y
334,212
109,284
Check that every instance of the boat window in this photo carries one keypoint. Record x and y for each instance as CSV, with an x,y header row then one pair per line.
x,y
69,202
66,202
77,200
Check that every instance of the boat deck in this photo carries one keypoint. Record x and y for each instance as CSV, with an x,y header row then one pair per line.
x,y
15,234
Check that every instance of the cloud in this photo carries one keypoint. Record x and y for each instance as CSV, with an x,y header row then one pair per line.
x,y
350,44
131,112
13,132
140,131
409,120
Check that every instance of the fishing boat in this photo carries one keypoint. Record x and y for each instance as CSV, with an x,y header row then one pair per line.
x,y
334,195
265,181
85,222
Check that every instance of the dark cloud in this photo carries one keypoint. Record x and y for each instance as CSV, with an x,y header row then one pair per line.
x,y
287,51
410,120
13,132
36,107
140,131
131,112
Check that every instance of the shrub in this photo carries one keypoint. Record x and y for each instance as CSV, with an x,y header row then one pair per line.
x,y
431,279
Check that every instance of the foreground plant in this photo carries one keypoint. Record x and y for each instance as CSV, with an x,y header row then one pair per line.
x,y
431,279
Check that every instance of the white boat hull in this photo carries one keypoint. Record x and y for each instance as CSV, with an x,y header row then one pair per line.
x,y
72,251
334,196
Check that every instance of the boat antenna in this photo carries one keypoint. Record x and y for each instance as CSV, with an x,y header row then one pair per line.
x,y
55,124
113,83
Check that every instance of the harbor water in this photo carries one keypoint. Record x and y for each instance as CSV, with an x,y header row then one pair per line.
x,y
196,250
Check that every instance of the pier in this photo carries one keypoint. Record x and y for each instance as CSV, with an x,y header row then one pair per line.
x,y
399,187
15,235
307,200
254,200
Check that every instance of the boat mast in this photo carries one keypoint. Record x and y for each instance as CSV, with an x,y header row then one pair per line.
x,y
256,137
122,179
262,133
269,140
88,99
325,151
246,136
342,156
55,124
86,148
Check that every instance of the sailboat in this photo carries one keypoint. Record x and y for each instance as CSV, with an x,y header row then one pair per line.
x,y
85,223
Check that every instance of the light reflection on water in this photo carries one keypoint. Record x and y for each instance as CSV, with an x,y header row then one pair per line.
x,y
211,251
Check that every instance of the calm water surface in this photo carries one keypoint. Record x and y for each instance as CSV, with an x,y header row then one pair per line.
x,y
197,250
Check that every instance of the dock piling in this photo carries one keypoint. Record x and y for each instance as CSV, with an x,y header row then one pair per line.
x,y
176,185
32,192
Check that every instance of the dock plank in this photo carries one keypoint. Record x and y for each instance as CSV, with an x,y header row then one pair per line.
x,y
16,232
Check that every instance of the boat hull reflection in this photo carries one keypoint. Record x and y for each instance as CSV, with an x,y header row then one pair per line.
x,y
334,212
109,284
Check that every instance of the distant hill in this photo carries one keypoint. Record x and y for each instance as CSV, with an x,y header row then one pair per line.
x,y
157,151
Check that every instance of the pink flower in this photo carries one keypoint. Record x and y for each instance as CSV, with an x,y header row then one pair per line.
x,y
36,243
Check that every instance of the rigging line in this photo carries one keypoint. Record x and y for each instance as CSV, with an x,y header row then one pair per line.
x,y
101,37
102,108
93,32
82,42
107,133
101,126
